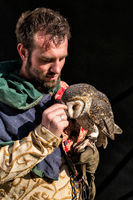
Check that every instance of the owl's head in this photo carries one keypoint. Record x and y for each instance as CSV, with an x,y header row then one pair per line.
x,y
77,99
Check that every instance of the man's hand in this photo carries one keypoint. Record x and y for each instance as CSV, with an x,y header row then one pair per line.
x,y
54,119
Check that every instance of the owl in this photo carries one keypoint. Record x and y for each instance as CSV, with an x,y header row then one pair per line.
x,y
91,109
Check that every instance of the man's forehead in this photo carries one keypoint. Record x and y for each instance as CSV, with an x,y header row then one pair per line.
x,y
43,40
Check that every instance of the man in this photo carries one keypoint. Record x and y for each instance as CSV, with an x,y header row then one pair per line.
x,y
33,144
31,122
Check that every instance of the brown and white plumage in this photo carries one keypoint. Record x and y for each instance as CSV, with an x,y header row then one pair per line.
x,y
92,110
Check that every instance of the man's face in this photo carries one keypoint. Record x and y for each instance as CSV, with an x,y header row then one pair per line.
x,y
44,65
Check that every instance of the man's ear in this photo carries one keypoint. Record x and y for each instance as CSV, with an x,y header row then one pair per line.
x,y
23,52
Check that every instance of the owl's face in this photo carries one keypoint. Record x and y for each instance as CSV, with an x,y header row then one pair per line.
x,y
77,107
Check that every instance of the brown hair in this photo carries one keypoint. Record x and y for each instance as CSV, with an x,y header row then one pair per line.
x,y
51,22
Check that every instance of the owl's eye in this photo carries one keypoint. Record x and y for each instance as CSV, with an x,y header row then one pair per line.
x,y
76,106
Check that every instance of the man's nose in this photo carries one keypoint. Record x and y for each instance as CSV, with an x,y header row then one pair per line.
x,y
55,68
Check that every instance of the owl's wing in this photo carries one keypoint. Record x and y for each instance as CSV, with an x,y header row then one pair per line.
x,y
102,139
102,116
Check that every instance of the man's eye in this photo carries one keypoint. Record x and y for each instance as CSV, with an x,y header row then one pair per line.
x,y
61,59
45,61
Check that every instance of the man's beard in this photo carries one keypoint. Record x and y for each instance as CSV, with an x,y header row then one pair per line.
x,y
39,80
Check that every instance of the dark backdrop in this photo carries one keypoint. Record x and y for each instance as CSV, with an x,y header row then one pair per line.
x,y
100,53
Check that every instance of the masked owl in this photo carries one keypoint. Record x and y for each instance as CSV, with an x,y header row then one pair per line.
x,y
92,110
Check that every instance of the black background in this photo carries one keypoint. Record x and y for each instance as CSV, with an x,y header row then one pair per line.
x,y
101,54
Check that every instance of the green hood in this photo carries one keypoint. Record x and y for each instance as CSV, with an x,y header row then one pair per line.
x,y
16,91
